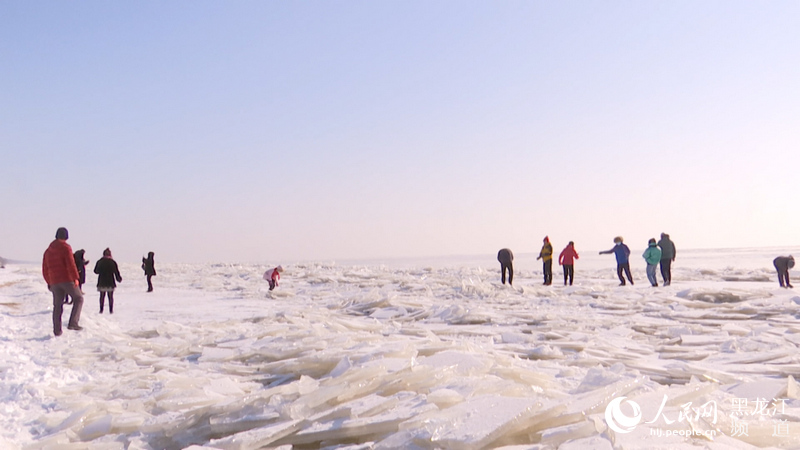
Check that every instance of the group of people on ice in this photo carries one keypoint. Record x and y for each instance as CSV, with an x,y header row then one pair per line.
x,y
65,274
659,253
662,252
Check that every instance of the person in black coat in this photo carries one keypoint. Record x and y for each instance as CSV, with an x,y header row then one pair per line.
x,y
107,272
505,257
149,267
81,263
782,265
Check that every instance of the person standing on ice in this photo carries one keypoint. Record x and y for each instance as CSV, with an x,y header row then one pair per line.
x,y
782,265
149,267
272,276
505,257
567,260
622,252
61,275
546,255
107,272
652,256
80,264
667,256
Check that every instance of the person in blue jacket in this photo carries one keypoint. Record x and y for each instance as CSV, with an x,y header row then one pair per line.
x,y
652,257
622,252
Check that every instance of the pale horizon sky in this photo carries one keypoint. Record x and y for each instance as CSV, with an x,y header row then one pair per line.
x,y
256,131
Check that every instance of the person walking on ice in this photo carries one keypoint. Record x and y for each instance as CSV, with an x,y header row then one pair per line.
x,y
80,263
505,257
149,267
567,260
546,255
107,277
782,265
61,274
622,253
652,257
668,253
272,276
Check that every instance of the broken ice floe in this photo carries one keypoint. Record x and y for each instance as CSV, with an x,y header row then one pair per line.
x,y
375,357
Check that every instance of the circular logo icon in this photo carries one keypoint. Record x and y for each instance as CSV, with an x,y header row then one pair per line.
x,y
617,420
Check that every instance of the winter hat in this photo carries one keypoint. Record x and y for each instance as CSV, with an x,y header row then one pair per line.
x,y
791,261
547,238
62,233
107,252
279,268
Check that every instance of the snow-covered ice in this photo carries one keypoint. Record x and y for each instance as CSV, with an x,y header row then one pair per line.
x,y
408,354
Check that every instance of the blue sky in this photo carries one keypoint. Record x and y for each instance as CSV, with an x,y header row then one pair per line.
x,y
278,131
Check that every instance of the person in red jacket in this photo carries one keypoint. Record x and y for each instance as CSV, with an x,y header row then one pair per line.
x,y
61,275
567,260
273,275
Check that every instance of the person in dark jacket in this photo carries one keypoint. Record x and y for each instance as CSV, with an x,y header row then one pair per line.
x,y
149,267
546,255
667,257
622,252
505,257
61,276
80,264
107,272
782,265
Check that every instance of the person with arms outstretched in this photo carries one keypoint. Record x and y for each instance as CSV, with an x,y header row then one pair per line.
x,y
622,253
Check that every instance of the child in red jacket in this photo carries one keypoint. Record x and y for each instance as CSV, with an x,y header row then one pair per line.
x,y
273,275
567,259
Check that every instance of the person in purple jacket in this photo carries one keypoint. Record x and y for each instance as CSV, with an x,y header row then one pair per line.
x,y
622,252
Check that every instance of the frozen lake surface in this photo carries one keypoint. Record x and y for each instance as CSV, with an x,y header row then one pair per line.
x,y
409,354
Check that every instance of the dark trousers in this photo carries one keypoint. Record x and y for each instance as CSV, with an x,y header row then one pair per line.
x,y
506,267
110,301
666,271
149,283
60,292
626,267
783,276
569,272
547,268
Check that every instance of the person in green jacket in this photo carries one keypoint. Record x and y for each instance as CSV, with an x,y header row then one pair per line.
x,y
652,256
